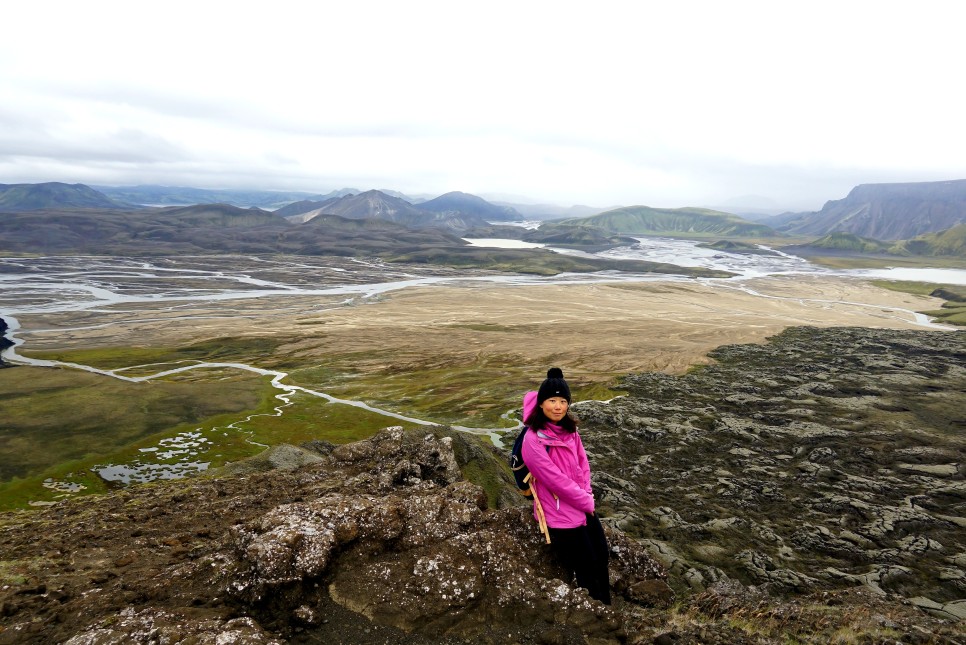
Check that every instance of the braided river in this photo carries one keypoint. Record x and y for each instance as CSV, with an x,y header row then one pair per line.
x,y
50,302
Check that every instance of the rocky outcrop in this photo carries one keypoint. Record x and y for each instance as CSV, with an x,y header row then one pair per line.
x,y
825,459
377,541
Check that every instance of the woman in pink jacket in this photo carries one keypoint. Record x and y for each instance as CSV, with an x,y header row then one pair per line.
x,y
555,456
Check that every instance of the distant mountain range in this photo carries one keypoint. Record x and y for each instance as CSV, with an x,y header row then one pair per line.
x,y
919,218
222,228
453,211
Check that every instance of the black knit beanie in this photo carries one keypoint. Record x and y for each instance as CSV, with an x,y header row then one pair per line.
x,y
555,385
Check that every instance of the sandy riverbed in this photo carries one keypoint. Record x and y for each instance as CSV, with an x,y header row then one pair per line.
x,y
593,329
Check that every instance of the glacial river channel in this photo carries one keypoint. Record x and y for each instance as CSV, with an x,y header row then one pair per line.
x,y
101,292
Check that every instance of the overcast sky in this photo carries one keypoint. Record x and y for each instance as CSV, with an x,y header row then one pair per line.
x,y
659,103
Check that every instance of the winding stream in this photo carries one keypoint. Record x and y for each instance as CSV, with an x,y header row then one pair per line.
x,y
138,290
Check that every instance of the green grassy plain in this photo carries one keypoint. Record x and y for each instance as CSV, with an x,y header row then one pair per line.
x,y
60,423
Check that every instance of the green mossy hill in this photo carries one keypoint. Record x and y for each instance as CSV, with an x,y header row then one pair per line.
x,y
576,236
644,220
951,242
850,242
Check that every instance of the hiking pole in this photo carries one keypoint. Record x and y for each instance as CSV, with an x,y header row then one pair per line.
x,y
536,503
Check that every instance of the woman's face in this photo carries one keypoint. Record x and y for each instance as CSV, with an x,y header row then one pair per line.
x,y
555,408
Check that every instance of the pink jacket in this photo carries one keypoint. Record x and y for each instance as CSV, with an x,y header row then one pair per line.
x,y
562,474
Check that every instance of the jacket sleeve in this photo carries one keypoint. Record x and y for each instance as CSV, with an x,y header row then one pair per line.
x,y
539,463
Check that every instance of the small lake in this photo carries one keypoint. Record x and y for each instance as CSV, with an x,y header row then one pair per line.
x,y
497,243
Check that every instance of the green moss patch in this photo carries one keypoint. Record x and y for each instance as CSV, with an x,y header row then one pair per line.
x,y
53,416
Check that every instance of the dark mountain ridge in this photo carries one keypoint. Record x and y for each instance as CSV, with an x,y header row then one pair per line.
x,y
155,195
219,215
27,197
207,228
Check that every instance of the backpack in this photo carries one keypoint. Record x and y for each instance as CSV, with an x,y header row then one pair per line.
x,y
520,471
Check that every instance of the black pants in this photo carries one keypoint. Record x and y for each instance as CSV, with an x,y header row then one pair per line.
x,y
583,551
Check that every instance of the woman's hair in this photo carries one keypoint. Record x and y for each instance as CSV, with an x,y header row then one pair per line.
x,y
538,420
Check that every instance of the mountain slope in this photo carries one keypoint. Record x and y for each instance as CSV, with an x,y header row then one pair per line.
x,y
851,243
295,211
27,197
220,215
888,211
644,220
